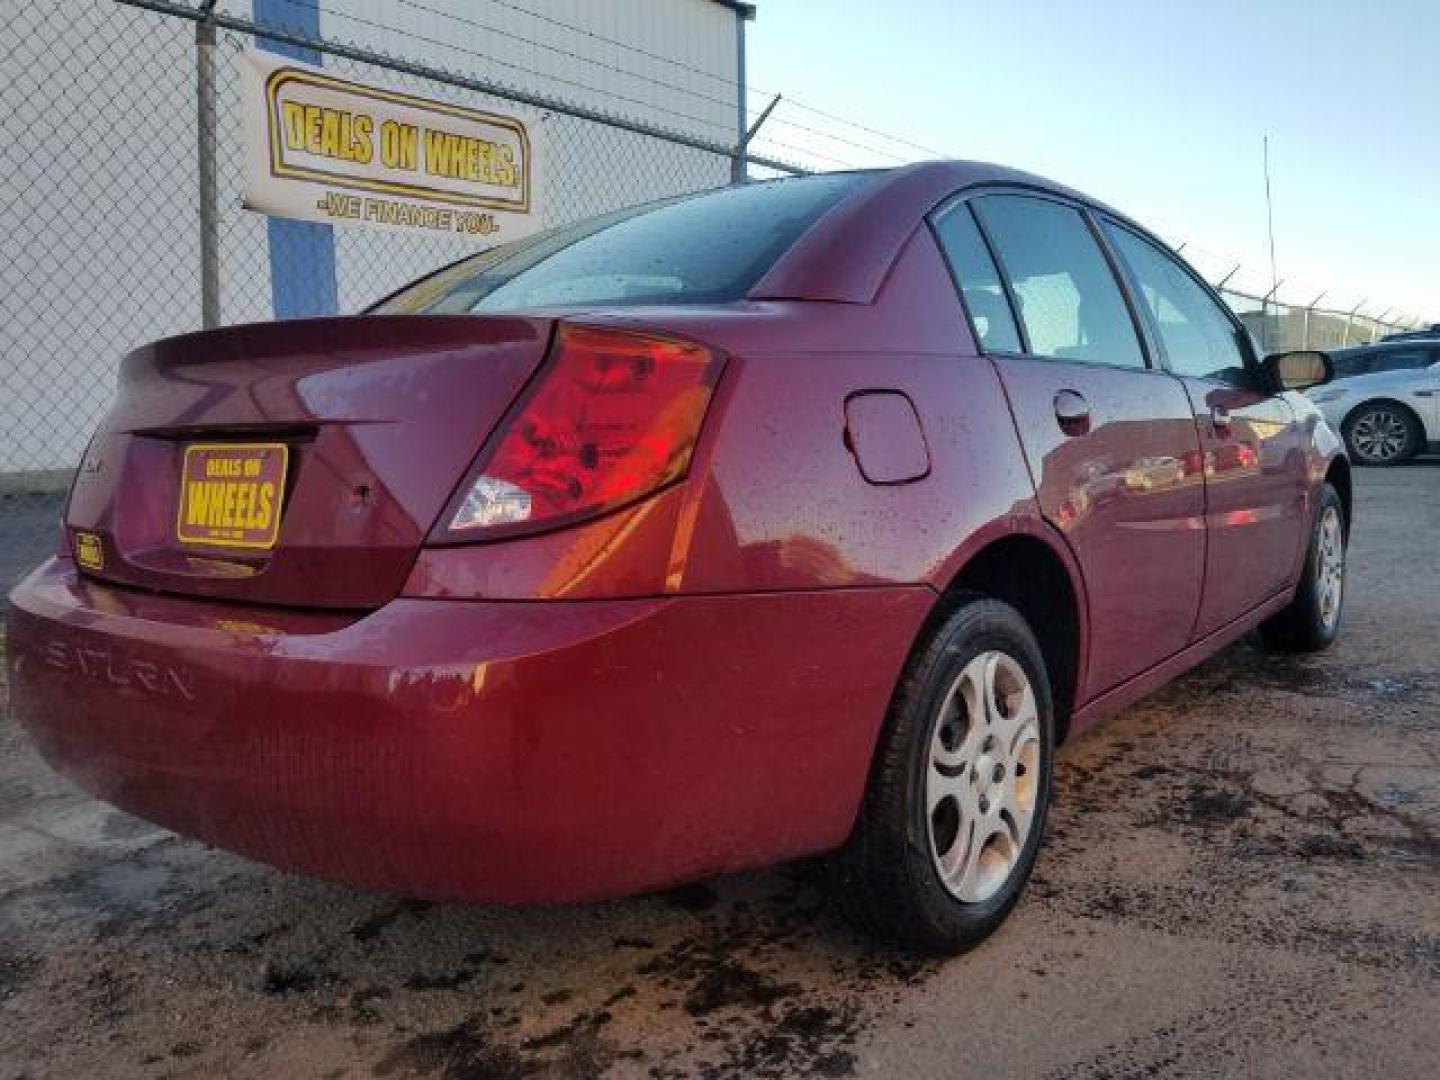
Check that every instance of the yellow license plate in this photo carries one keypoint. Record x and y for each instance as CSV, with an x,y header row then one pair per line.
x,y
230,494
89,551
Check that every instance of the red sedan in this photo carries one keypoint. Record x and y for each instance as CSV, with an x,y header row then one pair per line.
x,y
797,517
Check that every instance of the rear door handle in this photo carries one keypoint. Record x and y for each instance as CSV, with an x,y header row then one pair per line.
x,y
1072,412
1220,417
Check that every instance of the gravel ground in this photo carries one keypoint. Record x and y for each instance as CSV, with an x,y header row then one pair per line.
x,y
1242,876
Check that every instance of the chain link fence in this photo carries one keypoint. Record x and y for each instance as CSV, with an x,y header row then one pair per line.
x,y
106,200
112,204
1279,326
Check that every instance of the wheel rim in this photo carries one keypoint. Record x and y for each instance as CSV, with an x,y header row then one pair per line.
x,y
1330,566
983,776
1380,435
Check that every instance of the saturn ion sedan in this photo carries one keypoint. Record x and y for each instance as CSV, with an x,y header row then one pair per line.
x,y
792,518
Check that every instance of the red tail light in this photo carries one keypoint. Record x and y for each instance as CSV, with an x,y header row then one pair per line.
x,y
611,418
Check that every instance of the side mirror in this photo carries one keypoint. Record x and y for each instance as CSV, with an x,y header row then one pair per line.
x,y
1299,370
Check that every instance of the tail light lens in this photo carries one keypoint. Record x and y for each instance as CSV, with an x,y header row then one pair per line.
x,y
612,417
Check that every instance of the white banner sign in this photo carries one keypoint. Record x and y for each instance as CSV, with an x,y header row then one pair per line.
x,y
321,148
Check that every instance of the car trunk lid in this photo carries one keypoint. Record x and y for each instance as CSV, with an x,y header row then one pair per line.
x,y
361,427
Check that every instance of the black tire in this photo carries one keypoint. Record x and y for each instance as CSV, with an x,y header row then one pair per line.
x,y
1307,624
886,879
1382,433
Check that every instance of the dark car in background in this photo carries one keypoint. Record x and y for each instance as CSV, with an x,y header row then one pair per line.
x,y
1415,335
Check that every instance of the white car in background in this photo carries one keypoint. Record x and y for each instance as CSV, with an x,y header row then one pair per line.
x,y
1385,399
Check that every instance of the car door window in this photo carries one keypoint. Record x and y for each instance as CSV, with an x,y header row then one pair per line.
x,y
1350,363
978,279
1068,301
1201,341
1400,360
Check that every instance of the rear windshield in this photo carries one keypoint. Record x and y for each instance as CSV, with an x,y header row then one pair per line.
x,y
697,249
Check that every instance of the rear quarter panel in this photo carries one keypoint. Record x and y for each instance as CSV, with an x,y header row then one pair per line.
x,y
782,503
776,498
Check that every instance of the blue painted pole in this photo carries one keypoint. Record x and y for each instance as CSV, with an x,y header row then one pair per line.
x,y
302,253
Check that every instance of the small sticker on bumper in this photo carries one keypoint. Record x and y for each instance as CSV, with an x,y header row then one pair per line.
x,y
89,551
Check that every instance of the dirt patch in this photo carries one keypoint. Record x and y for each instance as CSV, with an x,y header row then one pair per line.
x,y
462,1052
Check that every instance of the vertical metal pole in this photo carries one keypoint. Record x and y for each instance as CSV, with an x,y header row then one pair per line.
x,y
206,153
1270,216
1349,323
1267,337
1313,306
1378,323
737,162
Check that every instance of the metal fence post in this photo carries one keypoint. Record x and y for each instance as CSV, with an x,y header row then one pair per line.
x,y
739,159
1265,315
206,153
1378,323
737,163
739,171
1310,307
1349,323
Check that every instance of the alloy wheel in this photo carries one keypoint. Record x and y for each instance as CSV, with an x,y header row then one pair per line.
x,y
982,778
1380,435
1330,566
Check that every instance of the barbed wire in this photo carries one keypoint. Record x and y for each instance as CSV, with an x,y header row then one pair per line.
x,y
928,151
784,121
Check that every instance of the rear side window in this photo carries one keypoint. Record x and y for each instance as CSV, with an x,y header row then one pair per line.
x,y
1199,338
708,248
1070,304
978,279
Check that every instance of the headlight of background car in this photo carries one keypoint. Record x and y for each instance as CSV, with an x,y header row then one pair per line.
x,y
1320,397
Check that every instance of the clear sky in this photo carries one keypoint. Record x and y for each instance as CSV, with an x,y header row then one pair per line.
x,y
1159,107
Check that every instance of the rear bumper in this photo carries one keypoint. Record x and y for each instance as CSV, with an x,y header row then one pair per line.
x,y
503,752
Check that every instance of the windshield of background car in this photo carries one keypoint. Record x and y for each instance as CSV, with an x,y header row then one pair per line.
x,y
709,248
1347,362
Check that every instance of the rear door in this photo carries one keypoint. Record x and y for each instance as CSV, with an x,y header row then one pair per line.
x,y
1408,373
1254,445
1111,444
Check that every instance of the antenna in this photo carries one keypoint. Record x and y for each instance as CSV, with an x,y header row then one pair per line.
x,y
1270,216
